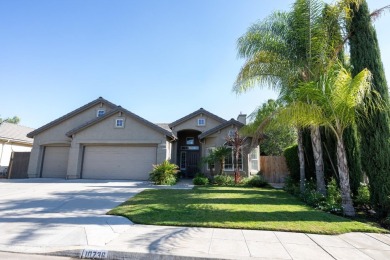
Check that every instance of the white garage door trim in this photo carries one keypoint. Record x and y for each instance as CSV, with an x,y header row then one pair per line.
x,y
55,162
118,162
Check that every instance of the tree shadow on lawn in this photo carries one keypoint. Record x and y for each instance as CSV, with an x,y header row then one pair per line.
x,y
205,214
246,208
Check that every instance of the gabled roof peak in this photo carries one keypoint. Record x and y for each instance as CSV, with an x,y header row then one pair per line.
x,y
220,127
69,115
195,113
124,111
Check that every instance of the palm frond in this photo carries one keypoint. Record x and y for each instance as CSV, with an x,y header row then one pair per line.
x,y
264,69
267,35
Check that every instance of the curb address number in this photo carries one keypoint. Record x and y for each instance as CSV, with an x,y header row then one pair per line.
x,y
94,254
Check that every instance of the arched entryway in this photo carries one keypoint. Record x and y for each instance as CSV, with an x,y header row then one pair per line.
x,y
188,152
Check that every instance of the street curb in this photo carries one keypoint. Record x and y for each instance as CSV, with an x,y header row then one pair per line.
x,y
115,255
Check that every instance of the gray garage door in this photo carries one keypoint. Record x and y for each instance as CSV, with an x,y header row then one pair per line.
x,y
118,162
55,162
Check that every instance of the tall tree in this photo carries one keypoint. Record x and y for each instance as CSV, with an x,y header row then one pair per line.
x,y
336,98
375,133
284,50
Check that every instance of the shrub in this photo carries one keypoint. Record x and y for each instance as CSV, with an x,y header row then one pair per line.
x,y
224,180
291,186
200,179
363,196
333,198
164,173
255,181
292,161
310,196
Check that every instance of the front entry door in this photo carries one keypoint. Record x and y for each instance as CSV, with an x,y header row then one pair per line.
x,y
189,162
192,163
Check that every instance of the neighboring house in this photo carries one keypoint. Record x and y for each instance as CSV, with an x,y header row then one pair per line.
x,y
13,139
103,141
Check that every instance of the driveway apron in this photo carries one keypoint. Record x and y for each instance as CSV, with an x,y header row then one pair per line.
x,y
55,212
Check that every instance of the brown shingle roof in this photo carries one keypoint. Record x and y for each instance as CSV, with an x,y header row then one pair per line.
x,y
120,109
16,133
69,115
193,114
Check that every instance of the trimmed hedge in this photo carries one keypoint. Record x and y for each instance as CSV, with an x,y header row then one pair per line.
x,y
291,155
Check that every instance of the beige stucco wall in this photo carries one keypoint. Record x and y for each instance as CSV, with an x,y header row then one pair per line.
x,y
105,132
218,139
6,149
56,136
192,124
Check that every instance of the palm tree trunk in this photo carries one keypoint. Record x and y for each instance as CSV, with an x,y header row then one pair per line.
x,y
342,166
318,158
301,157
222,163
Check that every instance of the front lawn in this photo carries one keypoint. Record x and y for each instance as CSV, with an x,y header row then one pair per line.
x,y
234,207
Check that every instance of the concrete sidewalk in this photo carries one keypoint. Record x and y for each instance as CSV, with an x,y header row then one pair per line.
x,y
64,218
164,242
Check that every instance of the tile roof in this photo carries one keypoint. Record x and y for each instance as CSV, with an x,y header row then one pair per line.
x,y
120,109
220,127
193,114
69,115
164,126
16,133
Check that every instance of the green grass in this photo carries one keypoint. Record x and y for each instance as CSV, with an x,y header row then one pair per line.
x,y
234,207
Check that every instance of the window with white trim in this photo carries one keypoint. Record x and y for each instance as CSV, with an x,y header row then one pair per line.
x,y
201,121
231,133
119,123
100,112
229,161
254,159
190,141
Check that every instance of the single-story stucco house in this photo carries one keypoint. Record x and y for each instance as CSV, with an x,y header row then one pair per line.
x,y
101,140
13,139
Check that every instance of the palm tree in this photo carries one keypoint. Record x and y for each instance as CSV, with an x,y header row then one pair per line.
x,y
220,153
282,51
336,103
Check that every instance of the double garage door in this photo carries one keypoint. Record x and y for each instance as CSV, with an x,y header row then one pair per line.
x,y
118,162
103,162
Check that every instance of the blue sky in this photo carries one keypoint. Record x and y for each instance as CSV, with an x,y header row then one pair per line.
x,y
159,59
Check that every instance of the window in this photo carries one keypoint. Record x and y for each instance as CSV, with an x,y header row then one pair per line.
x,y
231,133
119,123
229,161
100,112
190,141
191,148
201,122
254,160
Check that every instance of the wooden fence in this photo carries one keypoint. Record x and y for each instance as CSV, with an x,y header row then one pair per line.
x,y
18,165
274,168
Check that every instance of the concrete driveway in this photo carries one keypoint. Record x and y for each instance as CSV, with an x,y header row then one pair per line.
x,y
35,213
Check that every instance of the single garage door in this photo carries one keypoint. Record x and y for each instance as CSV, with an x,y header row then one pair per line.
x,y
55,162
118,162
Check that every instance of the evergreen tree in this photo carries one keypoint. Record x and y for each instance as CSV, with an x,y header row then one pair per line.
x,y
375,132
